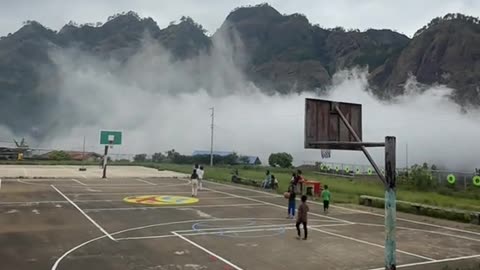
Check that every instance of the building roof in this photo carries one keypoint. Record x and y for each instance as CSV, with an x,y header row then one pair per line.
x,y
215,153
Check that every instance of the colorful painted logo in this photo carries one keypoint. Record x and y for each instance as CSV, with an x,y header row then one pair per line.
x,y
160,200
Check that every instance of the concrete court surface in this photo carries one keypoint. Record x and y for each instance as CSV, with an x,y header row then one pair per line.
x,y
71,171
86,224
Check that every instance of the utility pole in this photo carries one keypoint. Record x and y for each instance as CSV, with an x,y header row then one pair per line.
x,y
211,137
406,158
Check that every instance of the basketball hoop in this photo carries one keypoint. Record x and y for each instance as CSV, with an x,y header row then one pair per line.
x,y
110,143
326,153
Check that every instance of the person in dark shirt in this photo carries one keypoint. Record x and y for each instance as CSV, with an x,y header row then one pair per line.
x,y
302,217
291,202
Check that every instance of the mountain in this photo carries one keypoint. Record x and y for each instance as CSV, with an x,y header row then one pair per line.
x,y
279,53
287,53
446,51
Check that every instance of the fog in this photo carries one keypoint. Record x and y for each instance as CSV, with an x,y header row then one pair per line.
x,y
160,104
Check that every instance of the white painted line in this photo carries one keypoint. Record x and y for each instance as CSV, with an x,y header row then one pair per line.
x,y
371,244
432,262
0,183
207,251
422,230
83,213
130,193
49,202
267,226
227,231
146,237
39,180
159,207
352,210
55,265
276,205
145,181
57,262
84,176
27,183
75,180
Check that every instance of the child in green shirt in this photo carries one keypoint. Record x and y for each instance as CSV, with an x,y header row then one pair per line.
x,y
326,199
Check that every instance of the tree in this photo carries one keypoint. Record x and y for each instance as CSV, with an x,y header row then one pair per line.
x,y
140,157
243,160
231,159
283,160
158,157
171,154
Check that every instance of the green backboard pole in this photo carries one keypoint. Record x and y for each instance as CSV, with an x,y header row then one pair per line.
x,y
105,158
109,138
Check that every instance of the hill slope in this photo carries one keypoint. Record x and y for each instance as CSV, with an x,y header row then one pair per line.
x,y
279,53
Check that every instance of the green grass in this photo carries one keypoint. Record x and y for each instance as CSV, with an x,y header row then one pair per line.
x,y
343,190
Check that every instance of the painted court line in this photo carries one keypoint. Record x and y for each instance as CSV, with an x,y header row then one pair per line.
x,y
83,213
207,251
432,262
353,210
57,262
145,181
156,207
40,202
371,244
77,181
268,226
422,230
129,193
0,183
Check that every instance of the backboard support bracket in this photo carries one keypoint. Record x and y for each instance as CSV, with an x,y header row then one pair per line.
x,y
324,130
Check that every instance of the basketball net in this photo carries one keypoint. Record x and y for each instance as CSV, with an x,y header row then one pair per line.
x,y
326,153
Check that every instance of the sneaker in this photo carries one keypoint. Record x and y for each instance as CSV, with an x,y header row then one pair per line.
x,y
304,239
298,237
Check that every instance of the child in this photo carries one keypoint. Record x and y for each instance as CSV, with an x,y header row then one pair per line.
x,y
302,217
326,199
291,202
194,178
200,173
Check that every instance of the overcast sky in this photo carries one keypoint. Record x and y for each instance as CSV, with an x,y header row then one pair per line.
x,y
404,16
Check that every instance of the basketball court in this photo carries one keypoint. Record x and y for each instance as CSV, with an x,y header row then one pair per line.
x,y
153,223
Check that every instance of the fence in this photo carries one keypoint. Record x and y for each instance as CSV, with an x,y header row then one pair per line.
x,y
457,179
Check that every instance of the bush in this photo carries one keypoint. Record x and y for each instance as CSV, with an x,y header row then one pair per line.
x,y
59,155
158,157
421,177
140,158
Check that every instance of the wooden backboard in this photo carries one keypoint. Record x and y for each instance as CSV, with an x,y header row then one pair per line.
x,y
324,127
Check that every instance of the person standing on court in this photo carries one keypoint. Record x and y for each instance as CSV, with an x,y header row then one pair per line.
x,y
302,217
200,173
268,180
291,202
326,199
194,179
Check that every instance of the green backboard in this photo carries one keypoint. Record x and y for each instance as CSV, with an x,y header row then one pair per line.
x,y
111,137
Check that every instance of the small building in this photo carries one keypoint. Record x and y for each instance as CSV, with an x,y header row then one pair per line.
x,y
248,160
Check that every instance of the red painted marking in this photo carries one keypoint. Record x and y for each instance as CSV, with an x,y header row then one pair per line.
x,y
149,199
213,258
227,267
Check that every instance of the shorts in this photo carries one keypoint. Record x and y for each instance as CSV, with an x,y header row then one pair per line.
x,y
326,204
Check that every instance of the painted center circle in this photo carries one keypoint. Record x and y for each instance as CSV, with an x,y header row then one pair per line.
x,y
160,200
